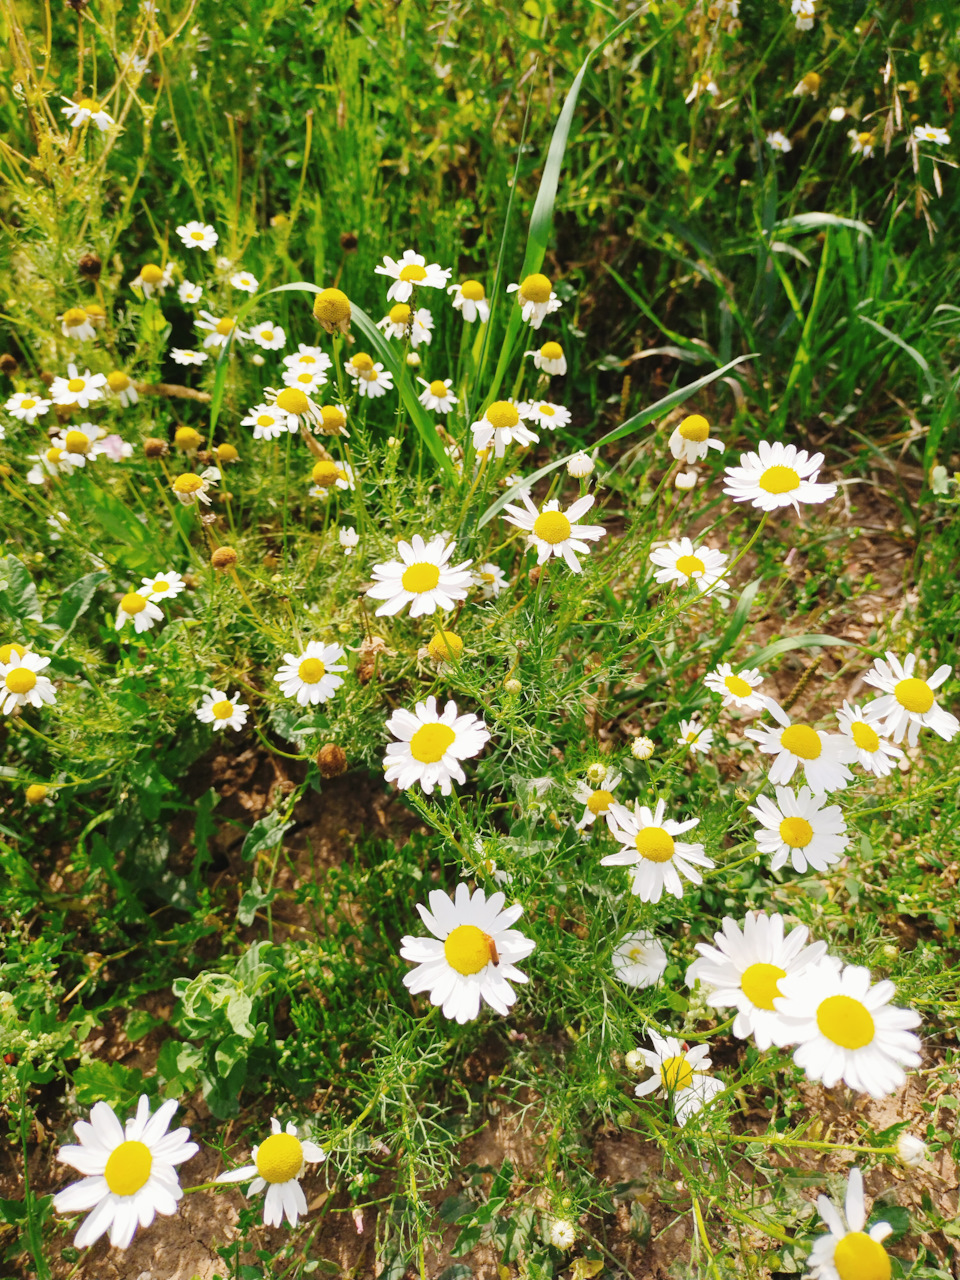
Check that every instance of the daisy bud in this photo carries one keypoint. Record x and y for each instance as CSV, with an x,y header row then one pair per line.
x,y
634,1061
512,686
641,749
686,480
596,773
37,792
331,308
90,266
257,359
413,360
445,646
561,1234
580,466
331,760
911,1151
223,558
154,448
837,114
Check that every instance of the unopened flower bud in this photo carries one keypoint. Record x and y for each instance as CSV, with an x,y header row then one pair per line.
x,y
642,749
512,686
580,466
349,241
90,266
331,760
685,480
634,1061
413,360
561,1234
911,1151
596,772
8,364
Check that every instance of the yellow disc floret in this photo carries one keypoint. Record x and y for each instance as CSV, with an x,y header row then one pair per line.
x,y
695,428
759,984
779,480
76,442
8,650
225,326
35,793
292,400
400,314
438,388
866,737
676,1073
690,565
311,671
845,1021
472,290
332,308
280,1158
325,473
800,740
446,646
536,288
420,577
915,695
222,710
600,801
857,1257
227,453
502,414
133,602
74,316
188,483
20,680
128,1168
187,438
362,362
551,351
76,384
655,844
412,272
468,949
334,419
737,686
151,273
430,743
117,380
796,832
552,526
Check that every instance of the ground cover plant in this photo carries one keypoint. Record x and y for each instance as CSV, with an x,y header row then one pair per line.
x,y
480,755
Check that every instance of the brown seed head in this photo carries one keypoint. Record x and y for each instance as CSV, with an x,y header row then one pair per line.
x,y
154,448
331,760
223,558
8,364
90,266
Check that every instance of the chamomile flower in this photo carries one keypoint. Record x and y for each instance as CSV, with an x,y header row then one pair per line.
x,y
639,959
807,85
778,141
313,675
328,475
861,144
138,608
222,710
50,462
369,377
804,11
219,331
78,113
403,321
822,756
189,293
437,395
696,736
278,1165
680,1075
197,235
422,577
561,1233
77,390
331,420
412,269
874,753
597,802
245,282
349,540
545,414
470,300
777,475
295,402
554,532
847,1252
683,563
908,703
501,425
163,586
472,956
655,857
743,970
120,384
704,83
847,1029
800,828
190,488
152,279
268,336
75,324
21,682
549,359
79,443
930,133
430,746
269,422
307,380
738,687
27,407
308,358
536,298
691,440
491,580
180,355
130,1171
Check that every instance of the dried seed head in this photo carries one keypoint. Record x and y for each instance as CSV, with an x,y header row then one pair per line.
x,y
349,241
331,760
90,266
223,558
8,364
154,448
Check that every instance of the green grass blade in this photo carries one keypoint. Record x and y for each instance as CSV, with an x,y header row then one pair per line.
x,y
812,641
912,352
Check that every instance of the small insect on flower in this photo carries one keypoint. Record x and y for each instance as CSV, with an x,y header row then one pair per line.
x,y
655,857
470,300
245,282
501,425
268,336
121,385
138,608
861,144
545,414
691,440
21,681
874,753
26,407
190,488
197,235
908,704
777,475
696,736
738,687
848,1252
536,298
549,359
639,959
683,563
554,532
472,956
278,1165
412,269
130,1171
181,356
597,801
77,390
422,577
930,133
80,443
312,676
78,113
75,324
778,141
437,395
222,710
219,332
430,745
822,756
800,827
369,377
679,1075
152,279
163,586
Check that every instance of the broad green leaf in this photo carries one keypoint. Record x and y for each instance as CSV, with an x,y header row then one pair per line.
x,y
18,598
264,834
76,600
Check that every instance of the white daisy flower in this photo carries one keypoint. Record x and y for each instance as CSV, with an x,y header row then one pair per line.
x,y
306,357
153,279
402,321
908,703
778,475
545,414
26,407
52,461
307,379
121,385
597,801
21,683
703,84
875,754
348,539
437,395
278,1165
743,969
245,282
822,756
470,301
222,710
328,475
422,577
804,11
163,586
430,746
189,293
181,356
778,141
77,390
130,1171
696,736
268,336
197,235
312,676
79,443
536,298
549,359
78,113
501,425
848,1252
331,420
807,85
219,331
554,532
412,269
296,403
491,580
656,859
683,563
930,133
369,377
847,1029
472,955
738,687
190,488
269,422
561,1233
639,959
691,440
680,1075
140,610
861,144
75,324
800,827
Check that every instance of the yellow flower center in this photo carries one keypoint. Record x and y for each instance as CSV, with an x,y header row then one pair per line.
x,y
76,442
472,289
196,235
76,384
468,949
536,288
863,139
866,738
74,316
857,1257
796,832
27,403
779,480
916,695
325,473
128,1168
20,680
547,410
311,671
655,844
187,438
420,577
221,710
676,1073
292,400
600,801
446,646
266,335
35,793
133,602
412,272
812,81
187,483
695,428
690,565
737,686
8,650
438,388
88,104
117,381
225,326
429,743
759,984
502,414
400,314
331,306
227,453
265,420
151,273
280,1158
95,311
800,740
552,527
552,351
361,362
845,1021
54,454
